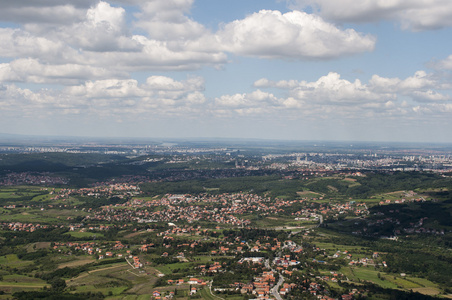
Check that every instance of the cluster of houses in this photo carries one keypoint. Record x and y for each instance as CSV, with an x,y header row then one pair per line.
x,y
28,178
116,189
226,208
27,227
216,267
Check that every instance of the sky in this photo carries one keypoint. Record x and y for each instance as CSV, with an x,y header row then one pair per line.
x,y
368,70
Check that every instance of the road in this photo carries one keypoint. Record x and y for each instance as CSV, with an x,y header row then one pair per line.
x,y
210,289
275,289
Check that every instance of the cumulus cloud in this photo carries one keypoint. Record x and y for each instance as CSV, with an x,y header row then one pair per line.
x,y
155,86
162,37
282,84
411,14
159,96
103,28
293,35
429,96
444,64
33,71
421,86
100,38
327,89
38,11
167,20
331,96
256,99
19,43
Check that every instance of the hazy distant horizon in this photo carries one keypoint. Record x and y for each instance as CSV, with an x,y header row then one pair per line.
x,y
211,141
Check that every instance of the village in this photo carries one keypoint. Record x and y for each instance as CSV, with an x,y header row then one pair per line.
x,y
268,278
240,245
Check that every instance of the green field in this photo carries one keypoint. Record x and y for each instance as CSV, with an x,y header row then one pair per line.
x,y
45,216
12,261
369,274
20,282
85,235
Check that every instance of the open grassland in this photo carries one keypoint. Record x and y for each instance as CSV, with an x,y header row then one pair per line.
x,y
27,216
168,269
9,290
18,280
371,275
130,297
427,291
309,194
105,287
271,222
16,283
393,281
119,281
18,193
356,251
80,261
85,235
12,261
370,201
45,216
398,195
34,195
337,247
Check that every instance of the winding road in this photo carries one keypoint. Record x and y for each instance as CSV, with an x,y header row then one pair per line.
x,y
275,289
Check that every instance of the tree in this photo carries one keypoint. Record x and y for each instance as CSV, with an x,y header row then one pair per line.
x,y
58,284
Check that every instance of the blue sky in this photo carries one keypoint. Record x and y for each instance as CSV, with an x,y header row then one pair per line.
x,y
295,69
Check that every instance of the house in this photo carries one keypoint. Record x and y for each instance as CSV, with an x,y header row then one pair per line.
x,y
193,291
156,294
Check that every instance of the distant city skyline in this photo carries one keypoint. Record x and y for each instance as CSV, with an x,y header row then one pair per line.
x,y
269,69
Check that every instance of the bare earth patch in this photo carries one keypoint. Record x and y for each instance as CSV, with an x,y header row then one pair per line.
x,y
76,263
427,291
308,193
350,179
131,235
42,245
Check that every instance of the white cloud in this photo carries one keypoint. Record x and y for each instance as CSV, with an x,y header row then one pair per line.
x,y
101,38
444,64
411,14
19,43
38,11
327,89
429,96
163,83
421,86
256,99
331,96
103,29
99,35
294,35
282,84
108,98
167,20
33,71
109,88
